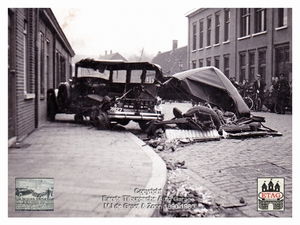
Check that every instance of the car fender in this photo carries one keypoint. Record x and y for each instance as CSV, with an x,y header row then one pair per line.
x,y
63,95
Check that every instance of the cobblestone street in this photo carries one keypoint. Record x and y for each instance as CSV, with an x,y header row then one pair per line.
x,y
230,167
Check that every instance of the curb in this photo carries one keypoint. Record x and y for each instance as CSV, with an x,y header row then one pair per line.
x,y
158,177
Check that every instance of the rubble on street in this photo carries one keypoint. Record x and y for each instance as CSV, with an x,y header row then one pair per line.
x,y
183,198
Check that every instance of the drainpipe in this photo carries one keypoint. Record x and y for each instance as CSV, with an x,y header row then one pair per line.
x,y
36,68
54,72
236,42
272,47
188,46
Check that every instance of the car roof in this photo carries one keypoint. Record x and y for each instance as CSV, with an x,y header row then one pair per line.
x,y
117,64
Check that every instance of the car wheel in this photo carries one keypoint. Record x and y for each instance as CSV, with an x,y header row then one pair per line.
x,y
206,110
144,124
78,118
123,122
103,121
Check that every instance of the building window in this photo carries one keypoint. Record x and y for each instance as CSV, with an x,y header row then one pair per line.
x,y
217,28
226,65
208,31
194,64
200,62
260,20
282,17
63,69
262,64
194,36
282,60
226,24
251,64
208,61
201,33
25,56
42,65
217,62
242,66
245,22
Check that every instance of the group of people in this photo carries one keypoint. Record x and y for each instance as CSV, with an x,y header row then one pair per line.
x,y
279,92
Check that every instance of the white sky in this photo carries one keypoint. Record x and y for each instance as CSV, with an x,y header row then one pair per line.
x,y
129,26
127,30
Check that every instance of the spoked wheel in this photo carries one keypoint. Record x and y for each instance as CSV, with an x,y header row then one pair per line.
x,y
249,102
198,110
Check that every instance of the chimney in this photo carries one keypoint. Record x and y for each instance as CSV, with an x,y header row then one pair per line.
x,y
175,42
105,52
110,51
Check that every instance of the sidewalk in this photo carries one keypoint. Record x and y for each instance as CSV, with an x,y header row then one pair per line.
x,y
86,164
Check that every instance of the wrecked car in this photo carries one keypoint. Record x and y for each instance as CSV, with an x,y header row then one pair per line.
x,y
221,110
109,92
23,191
209,85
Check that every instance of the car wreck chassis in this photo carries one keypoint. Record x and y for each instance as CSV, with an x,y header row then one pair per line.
x,y
109,92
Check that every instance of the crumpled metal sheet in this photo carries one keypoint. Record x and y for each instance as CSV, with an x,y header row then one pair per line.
x,y
194,135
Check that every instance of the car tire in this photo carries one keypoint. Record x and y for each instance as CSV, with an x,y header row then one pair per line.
x,y
144,124
123,122
103,121
203,109
78,118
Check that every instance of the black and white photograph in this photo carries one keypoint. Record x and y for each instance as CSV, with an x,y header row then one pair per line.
x,y
143,109
34,194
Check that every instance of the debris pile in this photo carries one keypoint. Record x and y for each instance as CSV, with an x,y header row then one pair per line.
x,y
204,123
183,198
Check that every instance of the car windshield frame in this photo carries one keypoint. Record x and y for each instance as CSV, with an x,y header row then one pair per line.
x,y
118,71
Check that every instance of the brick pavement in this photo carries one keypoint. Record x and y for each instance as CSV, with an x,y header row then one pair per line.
x,y
86,164
230,167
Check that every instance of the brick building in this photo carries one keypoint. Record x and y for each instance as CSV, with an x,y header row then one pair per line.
x,y
39,58
242,42
172,61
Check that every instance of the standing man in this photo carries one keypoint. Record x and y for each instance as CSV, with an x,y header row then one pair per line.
x,y
259,88
282,88
48,193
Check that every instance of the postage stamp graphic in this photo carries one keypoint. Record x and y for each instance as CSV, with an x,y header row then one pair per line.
x,y
270,194
34,194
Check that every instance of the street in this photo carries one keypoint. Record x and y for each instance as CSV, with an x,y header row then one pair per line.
x,y
230,167
225,172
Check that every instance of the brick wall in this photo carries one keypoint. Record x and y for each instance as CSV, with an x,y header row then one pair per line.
x,y
25,110
30,105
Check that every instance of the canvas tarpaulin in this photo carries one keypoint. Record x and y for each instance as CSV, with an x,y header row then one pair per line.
x,y
210,85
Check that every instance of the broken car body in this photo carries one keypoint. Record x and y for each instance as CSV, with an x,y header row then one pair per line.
x,y
210,85
109,91
222,109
